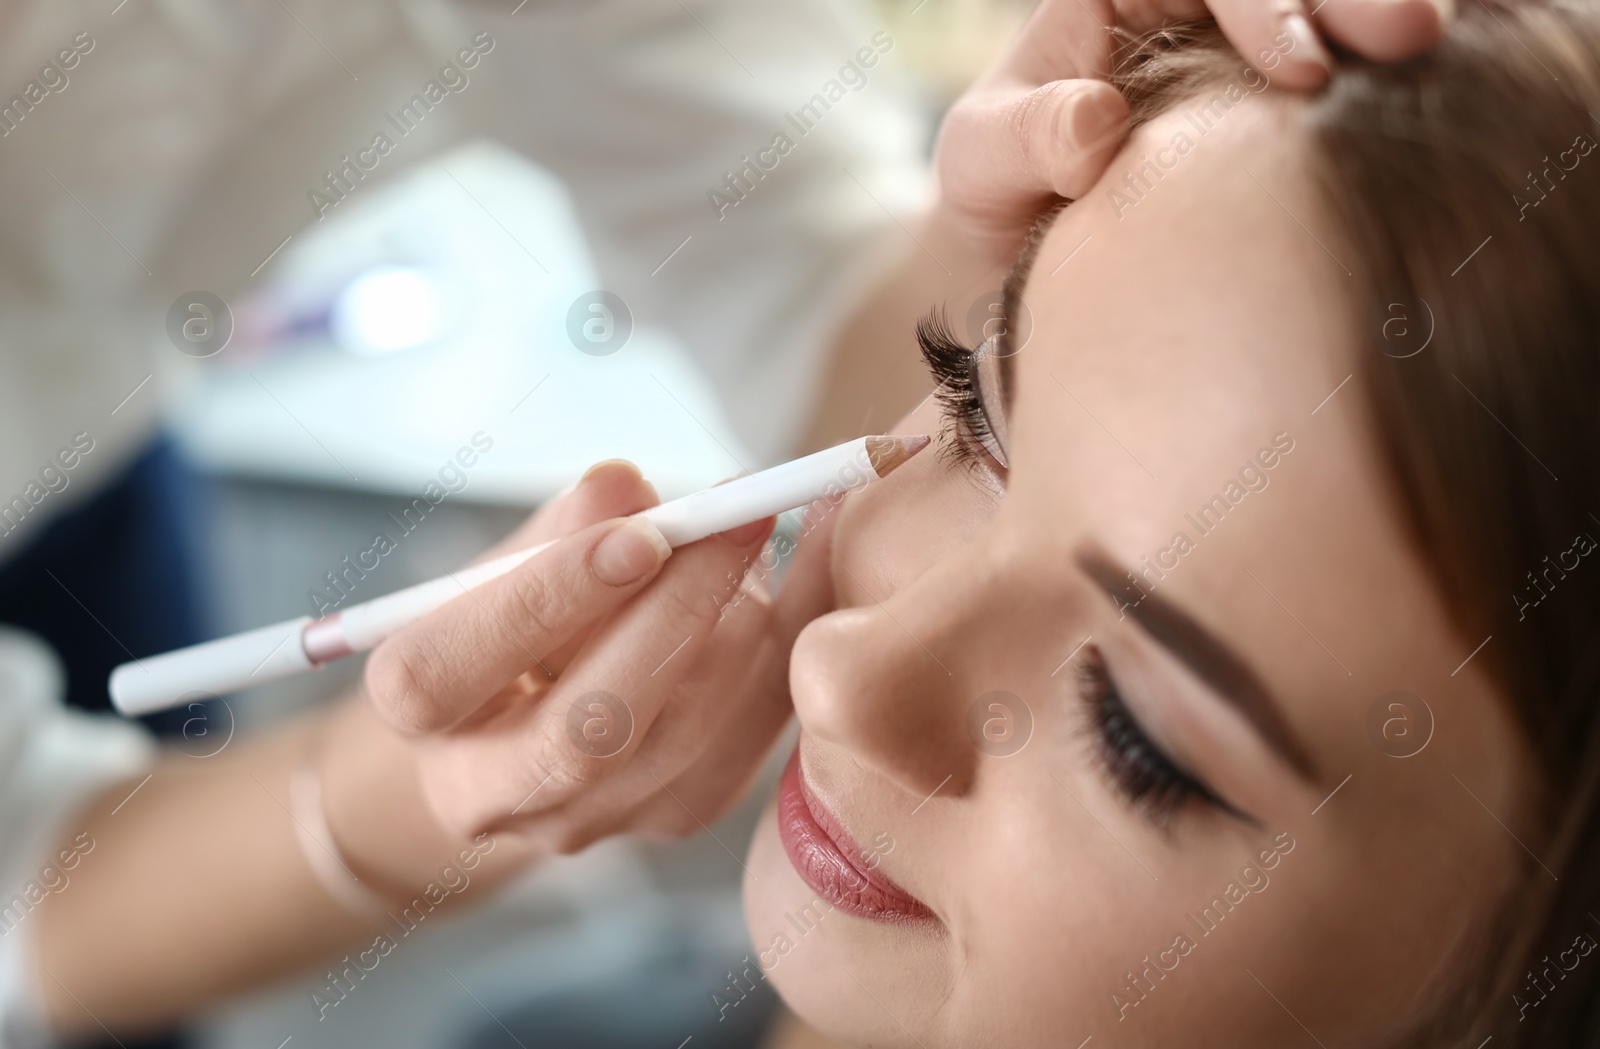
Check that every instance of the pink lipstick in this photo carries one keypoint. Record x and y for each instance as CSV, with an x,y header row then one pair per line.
x,y
830,862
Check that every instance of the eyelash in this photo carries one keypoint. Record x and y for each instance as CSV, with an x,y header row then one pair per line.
x,y
967,435
1145,776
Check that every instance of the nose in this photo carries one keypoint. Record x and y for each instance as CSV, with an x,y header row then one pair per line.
x,y
893,682
882,698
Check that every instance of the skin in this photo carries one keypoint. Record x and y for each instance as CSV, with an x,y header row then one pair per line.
x,y
952,581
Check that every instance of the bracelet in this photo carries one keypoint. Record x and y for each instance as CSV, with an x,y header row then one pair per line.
x,y
316,841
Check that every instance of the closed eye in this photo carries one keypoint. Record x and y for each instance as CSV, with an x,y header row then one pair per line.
x,y
1141,771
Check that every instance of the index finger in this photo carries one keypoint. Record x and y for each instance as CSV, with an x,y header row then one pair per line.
x,y
1385,30
611,488
443,667
1278,38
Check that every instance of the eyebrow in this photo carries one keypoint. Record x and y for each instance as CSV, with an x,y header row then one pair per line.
x,y
1202,652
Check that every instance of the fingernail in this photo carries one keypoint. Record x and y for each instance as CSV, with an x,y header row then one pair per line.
x,y
629,552
1096,120
1305,44
749,534
606,464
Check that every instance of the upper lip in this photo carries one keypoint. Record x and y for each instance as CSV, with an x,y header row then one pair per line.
x,y
830,861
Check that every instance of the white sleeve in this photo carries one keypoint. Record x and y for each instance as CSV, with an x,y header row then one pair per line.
x,y
51,761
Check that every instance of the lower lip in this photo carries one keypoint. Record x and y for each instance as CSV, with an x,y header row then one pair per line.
x,y
825,857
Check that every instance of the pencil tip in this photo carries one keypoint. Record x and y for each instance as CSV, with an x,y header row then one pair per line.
x,y
888,453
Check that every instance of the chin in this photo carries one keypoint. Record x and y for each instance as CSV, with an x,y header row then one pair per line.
x,y
777,906
799,945
812,953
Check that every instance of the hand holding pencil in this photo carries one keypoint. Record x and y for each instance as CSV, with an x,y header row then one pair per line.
x,y
601,687
299,645
579,682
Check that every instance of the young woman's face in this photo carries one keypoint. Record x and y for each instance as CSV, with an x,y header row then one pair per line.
x,y
1035,801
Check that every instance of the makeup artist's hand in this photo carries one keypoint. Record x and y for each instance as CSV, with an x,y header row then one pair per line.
x,y
1043,122
592,690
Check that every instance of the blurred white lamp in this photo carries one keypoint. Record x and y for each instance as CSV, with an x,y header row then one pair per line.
x,y
389,308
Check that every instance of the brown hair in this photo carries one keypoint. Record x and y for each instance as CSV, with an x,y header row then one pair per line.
x,y
1463,186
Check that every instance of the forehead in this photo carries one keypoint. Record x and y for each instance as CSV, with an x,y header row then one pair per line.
x,y
1187,308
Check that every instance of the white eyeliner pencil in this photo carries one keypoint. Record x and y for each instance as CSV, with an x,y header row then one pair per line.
x,y
297,646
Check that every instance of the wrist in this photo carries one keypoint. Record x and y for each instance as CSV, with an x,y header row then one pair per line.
x,y
379,818
357,894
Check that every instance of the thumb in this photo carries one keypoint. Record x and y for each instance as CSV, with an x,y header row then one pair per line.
x,y
1005,151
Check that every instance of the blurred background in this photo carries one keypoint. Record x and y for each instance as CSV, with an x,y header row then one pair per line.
x,y
280,260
